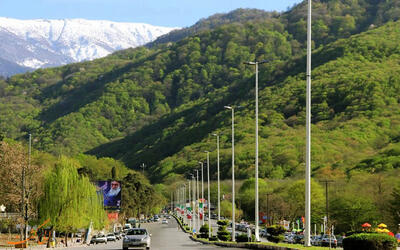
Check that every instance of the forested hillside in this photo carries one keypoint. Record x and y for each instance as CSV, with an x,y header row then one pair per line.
x,y
160,105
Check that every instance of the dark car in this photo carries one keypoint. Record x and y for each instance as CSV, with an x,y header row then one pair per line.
x,y
325,241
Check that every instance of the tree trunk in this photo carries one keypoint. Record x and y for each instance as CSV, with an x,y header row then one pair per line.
x,y
66,239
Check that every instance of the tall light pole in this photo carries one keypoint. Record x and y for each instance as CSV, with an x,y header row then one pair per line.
x,y
256,213
308,135
233,170
219,199
190,205
208,194
197,199
193,203
202,191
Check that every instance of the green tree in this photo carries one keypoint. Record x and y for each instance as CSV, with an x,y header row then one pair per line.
x,y
70,201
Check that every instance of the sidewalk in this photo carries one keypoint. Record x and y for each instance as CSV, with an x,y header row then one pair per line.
x,y
70,245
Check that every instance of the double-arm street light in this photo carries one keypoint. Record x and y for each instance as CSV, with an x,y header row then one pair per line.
x,y
219,200
233,170
208,194
256,216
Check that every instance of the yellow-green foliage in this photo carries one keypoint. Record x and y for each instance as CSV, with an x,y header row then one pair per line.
x,y
70,201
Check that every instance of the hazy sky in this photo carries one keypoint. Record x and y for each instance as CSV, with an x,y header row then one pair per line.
x,y
172,13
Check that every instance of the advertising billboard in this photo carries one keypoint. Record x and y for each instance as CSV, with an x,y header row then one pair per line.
x,y
111,191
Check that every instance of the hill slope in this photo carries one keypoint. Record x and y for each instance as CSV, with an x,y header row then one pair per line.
x,y
160,105
355,114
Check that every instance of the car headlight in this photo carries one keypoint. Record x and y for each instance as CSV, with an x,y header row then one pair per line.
x,y
144,239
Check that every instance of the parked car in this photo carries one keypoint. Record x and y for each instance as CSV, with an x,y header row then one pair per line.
x,y
340,241
264,233
326,238
111,237
316,240
137,237
298,239
164,221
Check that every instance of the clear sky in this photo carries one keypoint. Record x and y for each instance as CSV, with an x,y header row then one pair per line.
x,y
172,13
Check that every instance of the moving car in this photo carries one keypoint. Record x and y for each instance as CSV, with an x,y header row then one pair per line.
x,y
111,237
164,221
137,238
100,238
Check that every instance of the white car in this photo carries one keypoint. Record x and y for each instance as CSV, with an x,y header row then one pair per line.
x,y
137,238
164,221
100,238
111,237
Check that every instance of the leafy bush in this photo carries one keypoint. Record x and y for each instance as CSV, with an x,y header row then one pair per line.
x,y
223,222
223,234
204,231
370,241
242,238
276,233
213,238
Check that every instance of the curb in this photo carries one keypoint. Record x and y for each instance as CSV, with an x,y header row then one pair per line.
x,y
241,245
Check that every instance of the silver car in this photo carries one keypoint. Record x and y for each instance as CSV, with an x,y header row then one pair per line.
x,y
137,238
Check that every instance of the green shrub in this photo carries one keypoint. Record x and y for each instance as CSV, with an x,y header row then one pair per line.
x,y
276,233
213,238
275,238
244,238
223,234
204,231
223,222
276,230
370,241
187,228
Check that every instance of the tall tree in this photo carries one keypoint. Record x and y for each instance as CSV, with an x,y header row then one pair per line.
x,y
70,201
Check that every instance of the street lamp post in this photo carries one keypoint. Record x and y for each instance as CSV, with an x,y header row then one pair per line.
x,y
202,191
190,205
197,200
233,170
208,194
256,215
308,134
219,199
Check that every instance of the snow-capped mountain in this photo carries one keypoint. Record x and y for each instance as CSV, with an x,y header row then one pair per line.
x,y
43,43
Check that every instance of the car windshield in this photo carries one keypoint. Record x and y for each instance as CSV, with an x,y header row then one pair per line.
x,y
110,234
137,232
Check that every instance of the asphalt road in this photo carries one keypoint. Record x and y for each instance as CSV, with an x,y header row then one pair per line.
x,y
164,237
